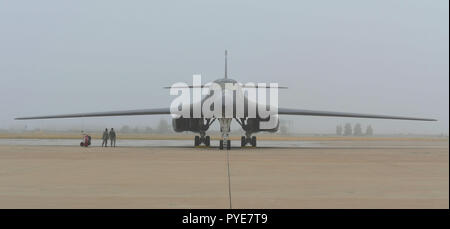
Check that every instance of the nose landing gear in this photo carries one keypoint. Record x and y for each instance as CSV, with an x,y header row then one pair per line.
x,y
225,130
225,144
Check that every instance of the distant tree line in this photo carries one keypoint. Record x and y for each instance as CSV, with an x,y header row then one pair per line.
x,y
347,130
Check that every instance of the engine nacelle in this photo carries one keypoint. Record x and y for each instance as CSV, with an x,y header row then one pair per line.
x,y
254,124
188,124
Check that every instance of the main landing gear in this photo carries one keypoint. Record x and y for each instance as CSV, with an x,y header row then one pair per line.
x,y
248,140
225,142
202,139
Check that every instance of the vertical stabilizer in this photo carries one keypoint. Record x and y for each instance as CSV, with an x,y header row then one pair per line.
x,y
226,65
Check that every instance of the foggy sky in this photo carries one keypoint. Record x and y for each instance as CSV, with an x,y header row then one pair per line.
x,y
381,57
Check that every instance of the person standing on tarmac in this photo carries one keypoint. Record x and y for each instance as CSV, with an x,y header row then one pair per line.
x,y
112,137
105,138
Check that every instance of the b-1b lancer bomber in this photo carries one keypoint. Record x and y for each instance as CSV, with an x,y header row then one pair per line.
x,y
225,100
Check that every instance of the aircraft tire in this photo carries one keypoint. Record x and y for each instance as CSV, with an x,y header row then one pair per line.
x,y
254,141
196,141
207,140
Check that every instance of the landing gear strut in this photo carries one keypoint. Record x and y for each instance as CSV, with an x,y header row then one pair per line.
x,y
225,130
248,138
